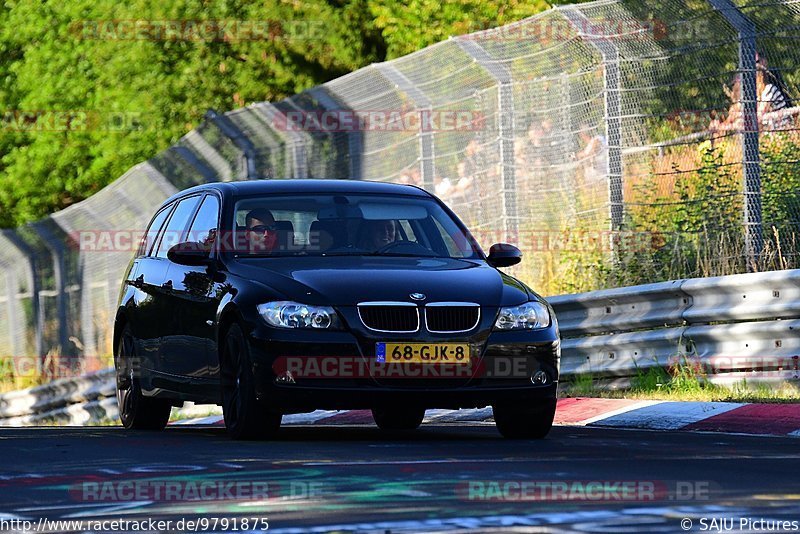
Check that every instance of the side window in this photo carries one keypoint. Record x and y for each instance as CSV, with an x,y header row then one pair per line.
x,y
174,232
204,227
149,238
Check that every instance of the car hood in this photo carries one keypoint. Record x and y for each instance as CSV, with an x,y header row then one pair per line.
x,y
346,281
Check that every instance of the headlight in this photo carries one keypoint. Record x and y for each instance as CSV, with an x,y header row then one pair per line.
x,y
285,314
528,316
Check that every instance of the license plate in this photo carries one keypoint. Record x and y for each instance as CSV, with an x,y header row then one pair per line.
x,y
435,353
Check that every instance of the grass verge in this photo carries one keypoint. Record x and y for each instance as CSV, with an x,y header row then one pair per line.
x,y
683,381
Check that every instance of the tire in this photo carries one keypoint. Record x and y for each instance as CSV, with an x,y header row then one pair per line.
x,y
516,423
394,419
245,416
136,412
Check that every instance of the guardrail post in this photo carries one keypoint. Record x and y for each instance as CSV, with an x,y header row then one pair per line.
x,y
611,90
754,236
239,139
505,113
423,104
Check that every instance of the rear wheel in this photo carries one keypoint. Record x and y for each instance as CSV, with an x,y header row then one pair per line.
x,y
514,422
245,416
135,410
398,418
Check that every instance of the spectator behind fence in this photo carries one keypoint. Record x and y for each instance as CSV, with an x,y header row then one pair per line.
x,y
467,170
533,153
593,157
771,94
412,176
733,120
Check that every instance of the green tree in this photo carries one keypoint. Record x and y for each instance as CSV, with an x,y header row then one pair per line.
x,y
69,56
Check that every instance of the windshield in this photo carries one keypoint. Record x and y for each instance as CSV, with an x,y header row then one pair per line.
x,y
347,225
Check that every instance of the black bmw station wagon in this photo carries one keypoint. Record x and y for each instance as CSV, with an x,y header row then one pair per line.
x,y
287,296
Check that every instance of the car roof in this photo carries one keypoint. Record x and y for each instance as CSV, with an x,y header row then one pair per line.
x,y
255,187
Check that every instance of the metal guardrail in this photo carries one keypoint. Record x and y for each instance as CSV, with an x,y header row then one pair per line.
x,y
739,327
72,401
734,327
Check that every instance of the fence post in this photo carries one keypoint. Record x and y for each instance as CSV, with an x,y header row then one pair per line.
x,y
296,142
754,236
58,252
505,113
187,155
423,104
33,287
354,151
239,139
12,291
611,90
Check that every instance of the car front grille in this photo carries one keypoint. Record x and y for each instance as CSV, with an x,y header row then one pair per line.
x,y
455,317
389,317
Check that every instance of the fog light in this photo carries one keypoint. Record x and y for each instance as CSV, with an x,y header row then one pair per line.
x,y
539,378
285,378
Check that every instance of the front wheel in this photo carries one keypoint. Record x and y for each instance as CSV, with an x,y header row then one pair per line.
x,y
398,418
514,422
246,417
135,410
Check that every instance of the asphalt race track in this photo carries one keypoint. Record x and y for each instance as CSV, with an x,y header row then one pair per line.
x,y
442,477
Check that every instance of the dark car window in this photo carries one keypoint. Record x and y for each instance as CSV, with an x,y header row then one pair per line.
x,y
149,238
174,232
347,225
204,227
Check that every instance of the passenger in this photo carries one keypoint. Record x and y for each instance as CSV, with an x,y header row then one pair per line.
x,y
378,234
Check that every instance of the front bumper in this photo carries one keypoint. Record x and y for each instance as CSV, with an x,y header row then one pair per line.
x,y
503,363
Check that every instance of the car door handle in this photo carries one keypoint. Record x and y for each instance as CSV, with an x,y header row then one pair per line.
x,y
167,284
138,282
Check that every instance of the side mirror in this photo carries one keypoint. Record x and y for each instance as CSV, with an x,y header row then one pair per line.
x,y
504,255
189,253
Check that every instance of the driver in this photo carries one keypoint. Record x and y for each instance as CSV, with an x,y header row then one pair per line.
x,y
260,231
379,234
